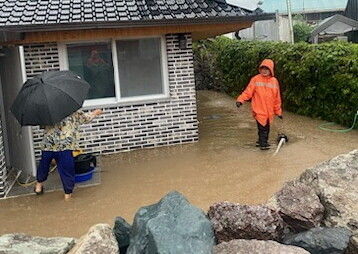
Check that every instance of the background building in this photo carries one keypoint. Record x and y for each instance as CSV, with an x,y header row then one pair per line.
x,y
278,29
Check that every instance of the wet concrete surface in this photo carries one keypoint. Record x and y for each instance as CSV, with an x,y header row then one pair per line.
x,y
223,165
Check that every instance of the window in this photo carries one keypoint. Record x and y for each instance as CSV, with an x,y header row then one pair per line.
x,y
119,70
93,62
139,67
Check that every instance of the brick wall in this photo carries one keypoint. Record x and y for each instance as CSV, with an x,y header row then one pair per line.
x,y
3,171
134,126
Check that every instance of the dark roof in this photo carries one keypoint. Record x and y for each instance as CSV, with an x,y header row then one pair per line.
x,y
45,12
335,25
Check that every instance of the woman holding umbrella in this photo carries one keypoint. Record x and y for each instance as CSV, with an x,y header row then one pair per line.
x,y
53,99
58,143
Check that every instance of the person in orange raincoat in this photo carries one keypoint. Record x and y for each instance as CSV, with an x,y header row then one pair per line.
x,y
264,92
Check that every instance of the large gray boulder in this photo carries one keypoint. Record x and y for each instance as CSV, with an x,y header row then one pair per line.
x,y
256,247
98,240
21,243
234,221
322,240
299,206
171,226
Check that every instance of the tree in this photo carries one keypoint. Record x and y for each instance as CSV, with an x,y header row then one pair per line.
x,y
302,31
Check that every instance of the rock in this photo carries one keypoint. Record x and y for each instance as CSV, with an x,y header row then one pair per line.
x,y
322,240
256,247
99,239
336,183
122,231
299,206
353,245
21,243
235,221
171,226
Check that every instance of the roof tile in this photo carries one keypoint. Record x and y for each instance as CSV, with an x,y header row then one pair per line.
x,y
67,11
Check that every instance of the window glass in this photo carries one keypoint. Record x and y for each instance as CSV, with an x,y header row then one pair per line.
x,y
139,67
93,61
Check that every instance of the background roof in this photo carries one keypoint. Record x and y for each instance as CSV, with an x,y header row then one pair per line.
x,y
335,25
30,12
303,5
248,4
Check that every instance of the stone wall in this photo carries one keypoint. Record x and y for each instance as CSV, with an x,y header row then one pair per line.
x,y
134,126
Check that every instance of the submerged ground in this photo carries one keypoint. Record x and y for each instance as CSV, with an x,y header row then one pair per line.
x,y
223,165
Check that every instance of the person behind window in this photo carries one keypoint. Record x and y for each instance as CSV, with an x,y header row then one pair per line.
x,y
59,141
95,59
100,76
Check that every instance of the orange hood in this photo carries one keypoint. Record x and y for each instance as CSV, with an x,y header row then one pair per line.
x,y
269,64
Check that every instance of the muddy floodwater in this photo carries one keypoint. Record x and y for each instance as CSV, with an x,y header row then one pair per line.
x,y
223,165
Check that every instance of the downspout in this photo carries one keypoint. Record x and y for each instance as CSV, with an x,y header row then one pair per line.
x,y
29,129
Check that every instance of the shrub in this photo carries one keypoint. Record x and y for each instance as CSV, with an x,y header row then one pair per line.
x,y
319,80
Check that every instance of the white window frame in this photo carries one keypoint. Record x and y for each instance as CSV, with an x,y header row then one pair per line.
x,y
63,61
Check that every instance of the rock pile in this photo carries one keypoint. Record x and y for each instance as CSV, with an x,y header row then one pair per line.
x,y
319,211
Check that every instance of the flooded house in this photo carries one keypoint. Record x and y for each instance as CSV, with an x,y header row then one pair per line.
x,y
136,55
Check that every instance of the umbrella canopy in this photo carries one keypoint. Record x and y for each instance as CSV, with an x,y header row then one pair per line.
x,y
49,97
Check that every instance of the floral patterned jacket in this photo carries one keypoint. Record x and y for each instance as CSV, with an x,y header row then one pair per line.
x,y
65,135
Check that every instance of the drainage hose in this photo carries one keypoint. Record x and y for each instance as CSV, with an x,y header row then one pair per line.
x,y
282,141
344,130
27,184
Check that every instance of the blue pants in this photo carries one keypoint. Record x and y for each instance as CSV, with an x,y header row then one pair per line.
x,y
65,165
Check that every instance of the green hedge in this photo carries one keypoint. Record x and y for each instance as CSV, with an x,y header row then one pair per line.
x,y
320,81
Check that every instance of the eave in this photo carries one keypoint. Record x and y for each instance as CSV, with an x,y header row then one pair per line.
x,y
201,28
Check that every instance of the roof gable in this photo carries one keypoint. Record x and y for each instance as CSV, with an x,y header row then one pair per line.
x,y
42,12
335,25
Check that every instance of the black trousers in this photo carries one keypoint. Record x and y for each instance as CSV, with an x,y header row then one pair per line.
x,y
263,132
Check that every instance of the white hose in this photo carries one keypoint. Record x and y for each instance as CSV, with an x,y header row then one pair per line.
x,y
282,141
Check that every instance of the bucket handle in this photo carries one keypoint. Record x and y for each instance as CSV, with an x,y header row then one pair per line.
x,y
94,160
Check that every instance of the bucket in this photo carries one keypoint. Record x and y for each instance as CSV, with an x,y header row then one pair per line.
x,y
84,176
84,163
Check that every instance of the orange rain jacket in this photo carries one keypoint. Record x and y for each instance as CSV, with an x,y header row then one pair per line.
x,y
264,93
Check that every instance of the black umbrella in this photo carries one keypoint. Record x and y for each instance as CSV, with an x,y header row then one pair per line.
x,y
49,97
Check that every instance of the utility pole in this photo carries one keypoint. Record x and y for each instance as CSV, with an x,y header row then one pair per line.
x,y
290,20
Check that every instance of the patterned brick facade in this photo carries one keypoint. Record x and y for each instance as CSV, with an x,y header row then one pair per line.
x,y
134,126
3,171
